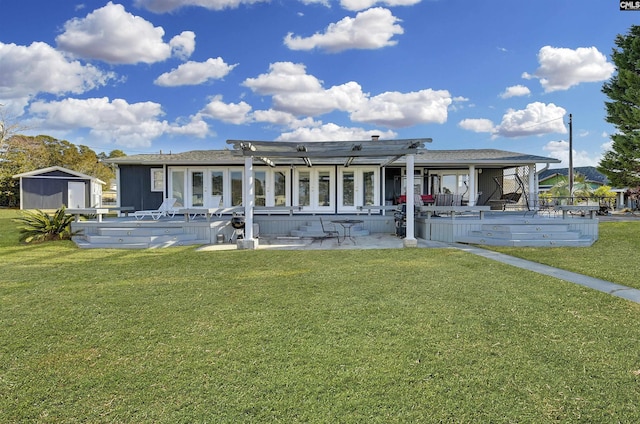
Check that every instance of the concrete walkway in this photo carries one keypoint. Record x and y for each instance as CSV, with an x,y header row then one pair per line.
x,y
608,287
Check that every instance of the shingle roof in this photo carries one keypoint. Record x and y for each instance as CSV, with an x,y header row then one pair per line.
x,y
481,157
478,157
194,157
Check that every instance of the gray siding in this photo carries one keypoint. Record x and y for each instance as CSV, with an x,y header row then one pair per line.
x,y
47,193
135,188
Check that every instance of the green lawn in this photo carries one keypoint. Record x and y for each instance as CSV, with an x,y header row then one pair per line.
x,y
406,335
614,257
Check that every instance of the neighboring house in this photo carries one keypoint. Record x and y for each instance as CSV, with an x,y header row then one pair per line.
x,y
550,177
593,179
52,187
323,177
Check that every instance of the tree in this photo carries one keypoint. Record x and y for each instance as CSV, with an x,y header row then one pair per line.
x,y
581,188
622,163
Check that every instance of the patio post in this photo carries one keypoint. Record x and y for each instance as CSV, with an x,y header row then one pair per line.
x,y
409,239
248,242
533,187
472,185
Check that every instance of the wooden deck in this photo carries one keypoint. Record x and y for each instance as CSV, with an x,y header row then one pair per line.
x,y
515,228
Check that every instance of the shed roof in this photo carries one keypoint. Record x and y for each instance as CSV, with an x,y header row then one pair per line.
x,y
41,173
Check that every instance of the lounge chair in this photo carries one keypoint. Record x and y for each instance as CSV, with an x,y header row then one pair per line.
x,y
165,209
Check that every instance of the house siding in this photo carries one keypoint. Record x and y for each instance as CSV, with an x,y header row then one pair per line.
x,y
135,188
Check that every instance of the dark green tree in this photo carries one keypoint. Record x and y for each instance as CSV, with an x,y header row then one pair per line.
x,y
622,163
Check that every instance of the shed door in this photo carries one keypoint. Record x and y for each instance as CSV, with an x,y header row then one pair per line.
x,y
76,194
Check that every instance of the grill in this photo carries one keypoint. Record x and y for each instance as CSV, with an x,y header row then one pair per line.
x,y
400,218
237,223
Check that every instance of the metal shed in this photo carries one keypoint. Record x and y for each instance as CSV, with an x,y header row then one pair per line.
x,y
50,188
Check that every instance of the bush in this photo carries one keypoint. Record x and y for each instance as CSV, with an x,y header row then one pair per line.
x,y
38,226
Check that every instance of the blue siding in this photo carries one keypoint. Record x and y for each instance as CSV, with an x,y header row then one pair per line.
x,y
135,188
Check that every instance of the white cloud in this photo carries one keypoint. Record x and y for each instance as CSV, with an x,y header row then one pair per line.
x,y
234,113
332,132
515,91
344,97
366,4
162,6
396,110
194,73
130,125
536,119
284,77
183,45
297,93
113,35
371,29
477,125
321,2
282,118
562,68
28,70
560,150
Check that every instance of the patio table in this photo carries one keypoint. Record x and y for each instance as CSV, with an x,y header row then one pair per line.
x,y
346,225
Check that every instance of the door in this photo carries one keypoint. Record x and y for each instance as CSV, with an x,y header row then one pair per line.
x,y
197,188
357,187
314,189
76,194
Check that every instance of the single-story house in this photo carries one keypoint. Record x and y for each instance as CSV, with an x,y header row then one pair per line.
x,y
50,188
288,189
323,177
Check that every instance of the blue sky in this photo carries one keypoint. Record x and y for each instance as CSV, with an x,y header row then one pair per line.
x,y
146,76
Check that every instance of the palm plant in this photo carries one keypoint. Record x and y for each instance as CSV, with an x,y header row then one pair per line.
x,y
38,226
581,188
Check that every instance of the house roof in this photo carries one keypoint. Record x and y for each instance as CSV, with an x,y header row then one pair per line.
x,y
590,173
371,152
194,157
480,157
41,173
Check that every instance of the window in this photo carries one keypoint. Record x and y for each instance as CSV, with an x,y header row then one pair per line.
x,y
157,179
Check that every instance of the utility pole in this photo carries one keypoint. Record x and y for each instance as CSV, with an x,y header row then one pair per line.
x,y
571,157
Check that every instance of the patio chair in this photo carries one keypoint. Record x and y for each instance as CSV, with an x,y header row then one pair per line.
x,y
165,209
329,231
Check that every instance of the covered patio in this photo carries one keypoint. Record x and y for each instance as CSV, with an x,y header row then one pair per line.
x,y
371,153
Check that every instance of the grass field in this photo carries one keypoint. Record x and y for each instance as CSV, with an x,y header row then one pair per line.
x,y
372,336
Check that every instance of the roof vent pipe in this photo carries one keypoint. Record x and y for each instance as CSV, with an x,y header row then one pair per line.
x,y
375,137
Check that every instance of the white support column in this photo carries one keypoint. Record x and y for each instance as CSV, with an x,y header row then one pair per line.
x,y
473,189
248,242
410,239
533,187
